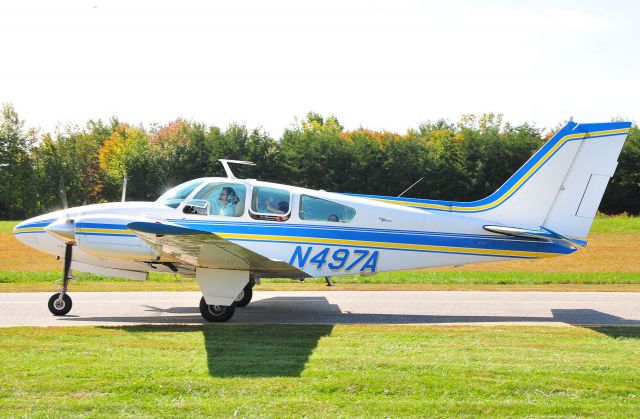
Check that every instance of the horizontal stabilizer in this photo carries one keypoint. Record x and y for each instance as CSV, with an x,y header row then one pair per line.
x,y
543,234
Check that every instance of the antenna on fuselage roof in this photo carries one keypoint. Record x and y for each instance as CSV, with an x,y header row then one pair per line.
x,y
227,169
414,184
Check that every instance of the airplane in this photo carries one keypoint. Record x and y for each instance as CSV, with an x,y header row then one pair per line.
x,y
229,233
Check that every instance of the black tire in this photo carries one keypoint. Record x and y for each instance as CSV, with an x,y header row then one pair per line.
x,y
245,296
60,309
215,313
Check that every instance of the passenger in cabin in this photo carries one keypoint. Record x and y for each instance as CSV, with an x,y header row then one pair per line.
x,y
228,201
283,207
333,218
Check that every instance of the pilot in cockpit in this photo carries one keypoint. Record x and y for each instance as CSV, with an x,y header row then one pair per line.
x,y
228,201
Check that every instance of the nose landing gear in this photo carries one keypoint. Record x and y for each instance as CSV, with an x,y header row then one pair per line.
x,y
60,303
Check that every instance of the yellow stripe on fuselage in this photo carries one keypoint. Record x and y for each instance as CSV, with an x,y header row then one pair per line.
x,y
398,246
29,229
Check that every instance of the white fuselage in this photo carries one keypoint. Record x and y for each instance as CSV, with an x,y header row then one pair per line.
x,y
380,237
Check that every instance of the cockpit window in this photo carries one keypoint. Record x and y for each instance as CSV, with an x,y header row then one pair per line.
x,y
317,209
224,198
174,196
271,204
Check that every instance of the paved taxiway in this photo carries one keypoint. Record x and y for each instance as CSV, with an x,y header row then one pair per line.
x,y
332,307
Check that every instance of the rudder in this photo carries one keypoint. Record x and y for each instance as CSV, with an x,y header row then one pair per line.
x,y
580,194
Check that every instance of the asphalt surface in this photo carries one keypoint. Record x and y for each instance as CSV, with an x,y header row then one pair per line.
x,y
333,307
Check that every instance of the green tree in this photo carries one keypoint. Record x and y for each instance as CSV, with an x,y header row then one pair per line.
x,y
16,174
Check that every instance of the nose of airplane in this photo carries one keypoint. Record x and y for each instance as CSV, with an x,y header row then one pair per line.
x,y
28,231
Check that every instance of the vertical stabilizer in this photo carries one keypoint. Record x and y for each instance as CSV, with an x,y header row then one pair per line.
x,y
577,201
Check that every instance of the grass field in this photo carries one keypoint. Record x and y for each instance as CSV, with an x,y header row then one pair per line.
x,y
611,261
320,371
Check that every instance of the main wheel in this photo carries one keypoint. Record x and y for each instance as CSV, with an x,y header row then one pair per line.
x,y
245,296
59,308
216,313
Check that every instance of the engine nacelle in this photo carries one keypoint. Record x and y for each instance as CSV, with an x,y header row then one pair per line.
x,y
106,235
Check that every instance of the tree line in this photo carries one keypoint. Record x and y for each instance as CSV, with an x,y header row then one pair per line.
x,y
465,160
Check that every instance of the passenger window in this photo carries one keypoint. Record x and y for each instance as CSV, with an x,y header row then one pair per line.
x,y
226,199
270,204
316,209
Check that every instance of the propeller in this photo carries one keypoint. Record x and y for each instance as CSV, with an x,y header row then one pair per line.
x,y
62,192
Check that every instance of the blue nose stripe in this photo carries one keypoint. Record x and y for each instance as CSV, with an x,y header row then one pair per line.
x,y
28,226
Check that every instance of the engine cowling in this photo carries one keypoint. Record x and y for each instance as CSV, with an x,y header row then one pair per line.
x,y
106,235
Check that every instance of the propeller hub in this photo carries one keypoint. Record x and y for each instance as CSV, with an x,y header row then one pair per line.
x,y
63,229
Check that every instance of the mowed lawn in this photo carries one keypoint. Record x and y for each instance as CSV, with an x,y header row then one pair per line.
x,y
320,371
610,261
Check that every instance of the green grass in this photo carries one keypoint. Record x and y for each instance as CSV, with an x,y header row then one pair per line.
x,y
7,226
403,277
319,371
616,224
410,280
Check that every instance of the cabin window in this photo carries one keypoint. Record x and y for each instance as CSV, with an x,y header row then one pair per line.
x,y
174,196
271,204
317,209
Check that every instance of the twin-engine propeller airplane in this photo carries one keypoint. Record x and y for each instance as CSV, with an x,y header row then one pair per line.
x,y
228,232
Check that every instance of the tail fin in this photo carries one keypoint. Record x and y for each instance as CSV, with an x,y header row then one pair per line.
x,y
582,188
559,188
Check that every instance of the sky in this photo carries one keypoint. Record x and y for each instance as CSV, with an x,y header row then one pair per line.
x,y
375,64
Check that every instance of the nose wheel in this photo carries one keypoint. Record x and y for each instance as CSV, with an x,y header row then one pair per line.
x,y
60,303
60,306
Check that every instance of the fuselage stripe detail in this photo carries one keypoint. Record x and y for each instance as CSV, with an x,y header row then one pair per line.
x,y
386,245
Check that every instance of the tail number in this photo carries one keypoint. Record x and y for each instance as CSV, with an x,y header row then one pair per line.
x,y
360,260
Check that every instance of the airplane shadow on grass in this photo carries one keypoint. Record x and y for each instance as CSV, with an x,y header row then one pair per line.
x,y
275,337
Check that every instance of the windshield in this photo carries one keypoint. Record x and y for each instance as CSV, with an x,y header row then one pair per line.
x,y
174,196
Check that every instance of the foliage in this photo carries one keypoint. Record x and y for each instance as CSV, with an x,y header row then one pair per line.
x,y
463,161
16,175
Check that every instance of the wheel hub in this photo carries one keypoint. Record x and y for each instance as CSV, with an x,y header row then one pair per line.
x,y
216,310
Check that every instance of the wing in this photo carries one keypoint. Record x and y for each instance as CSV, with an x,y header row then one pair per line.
x,y
208,250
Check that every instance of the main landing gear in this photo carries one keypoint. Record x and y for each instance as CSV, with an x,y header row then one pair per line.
x,y
218,313
60,303
244,298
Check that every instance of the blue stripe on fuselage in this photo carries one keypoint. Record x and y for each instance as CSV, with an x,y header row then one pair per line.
x,y
321,232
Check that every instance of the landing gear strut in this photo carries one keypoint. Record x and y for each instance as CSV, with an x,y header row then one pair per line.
x,y
60,303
